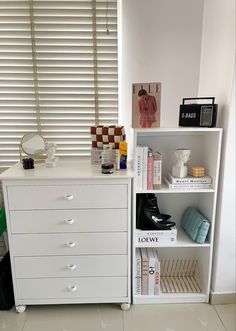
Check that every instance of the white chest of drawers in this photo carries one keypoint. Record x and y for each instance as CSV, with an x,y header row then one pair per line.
x,y
69,234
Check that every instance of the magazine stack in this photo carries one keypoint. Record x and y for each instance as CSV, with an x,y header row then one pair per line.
x,y
189,182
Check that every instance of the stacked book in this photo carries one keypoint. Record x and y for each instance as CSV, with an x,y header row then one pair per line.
x,y
189,182
152,238
147,272
148,168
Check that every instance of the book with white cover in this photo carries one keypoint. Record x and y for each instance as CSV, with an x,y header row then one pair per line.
x,y
151,271
189,180
152,238
145,267
139,167
138,272
188,186
157,285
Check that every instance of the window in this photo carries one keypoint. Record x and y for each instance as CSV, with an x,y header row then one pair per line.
x,y
58,72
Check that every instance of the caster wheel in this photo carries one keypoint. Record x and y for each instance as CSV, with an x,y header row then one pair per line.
x,y
125,306
20,309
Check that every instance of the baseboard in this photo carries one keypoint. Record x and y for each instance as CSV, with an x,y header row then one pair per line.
x,y
222,298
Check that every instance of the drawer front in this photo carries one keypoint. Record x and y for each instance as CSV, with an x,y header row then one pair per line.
x,y
67,196
69,244
71,266
59,288
81,220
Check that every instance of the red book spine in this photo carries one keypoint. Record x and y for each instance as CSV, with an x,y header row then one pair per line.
x,y
150,172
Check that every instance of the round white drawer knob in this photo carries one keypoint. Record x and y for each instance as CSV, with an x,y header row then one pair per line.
x,y
68,197
72,288
71,266
70,244
69,221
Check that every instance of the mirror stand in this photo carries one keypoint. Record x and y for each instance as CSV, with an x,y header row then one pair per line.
x,y
24,155
32,145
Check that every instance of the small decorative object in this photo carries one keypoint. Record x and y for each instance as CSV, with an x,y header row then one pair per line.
x,y
28,163
107,168
194,113
180,170
146,104
51,160
198,171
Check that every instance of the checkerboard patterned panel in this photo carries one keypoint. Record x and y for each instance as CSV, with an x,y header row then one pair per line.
x,y
112,135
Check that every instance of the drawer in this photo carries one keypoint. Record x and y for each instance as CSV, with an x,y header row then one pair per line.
x,y
71,266
67,196
59,288
81,220
69,244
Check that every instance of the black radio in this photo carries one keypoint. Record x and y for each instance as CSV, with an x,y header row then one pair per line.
x,y
198,114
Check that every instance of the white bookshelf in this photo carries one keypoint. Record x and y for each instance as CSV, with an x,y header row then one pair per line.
x,y
205,144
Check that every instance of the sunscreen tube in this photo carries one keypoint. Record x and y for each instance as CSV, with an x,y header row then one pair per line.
x,y
123,148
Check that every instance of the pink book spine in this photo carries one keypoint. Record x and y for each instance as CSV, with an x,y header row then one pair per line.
x,y
150,171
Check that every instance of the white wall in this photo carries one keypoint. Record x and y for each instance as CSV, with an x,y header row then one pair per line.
x,y
191,54
161,42
216,77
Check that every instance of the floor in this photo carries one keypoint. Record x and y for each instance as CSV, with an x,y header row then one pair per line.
x,y
109,317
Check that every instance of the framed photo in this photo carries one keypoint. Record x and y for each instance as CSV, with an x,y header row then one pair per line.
x,y
146,105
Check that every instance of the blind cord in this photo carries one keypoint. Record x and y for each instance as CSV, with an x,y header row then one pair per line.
x,y
95,63
34,60
107,23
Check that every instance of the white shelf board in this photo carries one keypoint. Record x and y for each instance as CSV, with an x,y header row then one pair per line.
x,y
183,240
170,298
165,189
178,130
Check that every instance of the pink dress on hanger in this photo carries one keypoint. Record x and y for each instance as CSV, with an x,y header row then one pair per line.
x,y
147,110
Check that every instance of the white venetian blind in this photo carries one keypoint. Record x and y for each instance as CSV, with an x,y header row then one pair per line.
x,y
58,72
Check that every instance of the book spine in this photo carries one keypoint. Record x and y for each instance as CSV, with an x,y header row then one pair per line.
x,y
150,171
145,267
151,272
138,271
157,169
189,186
157,274
187,180
145,160
139,167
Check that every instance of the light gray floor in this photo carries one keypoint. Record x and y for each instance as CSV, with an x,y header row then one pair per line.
x,y
109,317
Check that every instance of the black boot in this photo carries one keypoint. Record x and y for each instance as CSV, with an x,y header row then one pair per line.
x,y
148,215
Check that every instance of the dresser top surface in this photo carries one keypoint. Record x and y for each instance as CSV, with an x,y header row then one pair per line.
x,y
65,169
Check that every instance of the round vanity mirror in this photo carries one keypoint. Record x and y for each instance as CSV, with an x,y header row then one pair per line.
x,y
33,144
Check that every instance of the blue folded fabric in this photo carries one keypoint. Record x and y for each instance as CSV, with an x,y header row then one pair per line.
x,y
195,225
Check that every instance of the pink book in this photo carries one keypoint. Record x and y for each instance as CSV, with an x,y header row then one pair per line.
x,y
150,162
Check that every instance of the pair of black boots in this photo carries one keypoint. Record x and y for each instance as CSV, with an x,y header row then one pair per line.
x,y
148,216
